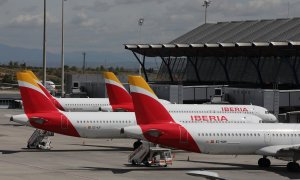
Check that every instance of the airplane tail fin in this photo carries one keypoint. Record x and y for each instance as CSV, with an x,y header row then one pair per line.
x,y
116,92
39,83
47,93
34,98
148,109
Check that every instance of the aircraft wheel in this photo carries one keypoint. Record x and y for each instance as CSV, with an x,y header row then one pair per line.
x,y
137,144
133,162
293,167
264,162
261,162
267,162
147,164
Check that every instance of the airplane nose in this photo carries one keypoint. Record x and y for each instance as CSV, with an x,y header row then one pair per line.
x,y
274,118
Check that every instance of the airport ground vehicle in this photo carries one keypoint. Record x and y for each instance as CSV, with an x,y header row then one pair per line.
x,y
149,154
40,140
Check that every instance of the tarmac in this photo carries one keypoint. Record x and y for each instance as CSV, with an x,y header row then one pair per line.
x,y
97,159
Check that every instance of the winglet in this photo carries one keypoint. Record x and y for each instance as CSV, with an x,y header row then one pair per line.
x,y
34,99
148,109
116,92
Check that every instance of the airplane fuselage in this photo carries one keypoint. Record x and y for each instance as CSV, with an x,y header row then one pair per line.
x,y
81,104
109,125
234,139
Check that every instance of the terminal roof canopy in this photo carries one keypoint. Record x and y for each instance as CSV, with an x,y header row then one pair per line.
x,y
234,35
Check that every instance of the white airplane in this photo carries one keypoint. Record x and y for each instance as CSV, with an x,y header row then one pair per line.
x,y
117,93
80,104
40,113
155,124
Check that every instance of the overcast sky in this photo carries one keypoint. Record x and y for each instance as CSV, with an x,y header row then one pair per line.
x,y
105,25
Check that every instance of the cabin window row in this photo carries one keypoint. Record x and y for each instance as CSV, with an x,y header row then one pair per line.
x,y
284,135
228,134
212,121
249,134
87,104
211,112
105,121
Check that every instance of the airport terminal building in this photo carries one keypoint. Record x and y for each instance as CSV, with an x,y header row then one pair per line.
x,y
251,62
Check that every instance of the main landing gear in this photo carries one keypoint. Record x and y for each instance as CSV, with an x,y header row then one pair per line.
x,y
264,162
293,166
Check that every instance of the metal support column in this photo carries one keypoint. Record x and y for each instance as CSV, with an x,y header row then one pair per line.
x,y
293,63
167,63
62,52
194,66
275,80
44,46
142,63
256,66
224,66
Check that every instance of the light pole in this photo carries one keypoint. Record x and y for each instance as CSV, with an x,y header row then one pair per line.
x,y
83,66
62,51
140,23
44,46
206,3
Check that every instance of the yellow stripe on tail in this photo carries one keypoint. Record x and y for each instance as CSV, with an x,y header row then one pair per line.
x,y
111,76
32,74
138,81
27,77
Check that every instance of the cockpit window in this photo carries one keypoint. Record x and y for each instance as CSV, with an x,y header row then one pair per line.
x,y
267,112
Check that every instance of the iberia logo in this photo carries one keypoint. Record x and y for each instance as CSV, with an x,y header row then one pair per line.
x,y
234,109
208,118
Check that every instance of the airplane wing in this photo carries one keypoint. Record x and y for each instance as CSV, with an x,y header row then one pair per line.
x,y
280,151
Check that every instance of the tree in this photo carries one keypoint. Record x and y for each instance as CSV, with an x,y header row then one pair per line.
x,y
74,68
66,67
102,68
10,64
23,65
16,64
7,78
111,69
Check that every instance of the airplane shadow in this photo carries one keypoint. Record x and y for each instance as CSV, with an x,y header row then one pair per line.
x,y
281,170
119,148
8,124
278,169
100,148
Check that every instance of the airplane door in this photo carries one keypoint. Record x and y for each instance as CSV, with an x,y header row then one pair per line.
x,y
183,135
64,122
267,137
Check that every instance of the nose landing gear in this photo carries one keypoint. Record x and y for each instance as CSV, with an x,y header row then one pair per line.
x,y
264,162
